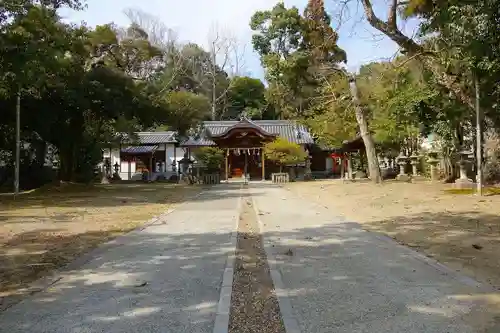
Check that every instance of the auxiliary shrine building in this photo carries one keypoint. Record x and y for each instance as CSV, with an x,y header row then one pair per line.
x,y
242,141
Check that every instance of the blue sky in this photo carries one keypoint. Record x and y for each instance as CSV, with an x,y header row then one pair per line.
x,y
192,20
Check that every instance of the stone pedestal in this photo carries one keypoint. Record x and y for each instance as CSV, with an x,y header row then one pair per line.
x,y
463,182
401,160
360,175
104,177
414,163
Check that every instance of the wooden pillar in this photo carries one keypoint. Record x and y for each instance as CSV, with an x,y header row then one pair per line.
x,y
245,169
263,164
226,165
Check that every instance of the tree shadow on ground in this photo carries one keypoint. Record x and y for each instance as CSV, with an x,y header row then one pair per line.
x,y
173,282
361,281
342,279
55,237
468,241
158,281
336,277
126,194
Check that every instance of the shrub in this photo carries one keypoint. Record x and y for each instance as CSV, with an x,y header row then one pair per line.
x,y
283,152
210,157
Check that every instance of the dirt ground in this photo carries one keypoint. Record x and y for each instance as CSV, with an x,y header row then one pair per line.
x,y
47,228
254,306
459,230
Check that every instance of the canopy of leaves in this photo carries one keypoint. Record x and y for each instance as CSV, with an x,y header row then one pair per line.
x,y
283,152
210,157
336,121
186,110
246,96
79,86
294,50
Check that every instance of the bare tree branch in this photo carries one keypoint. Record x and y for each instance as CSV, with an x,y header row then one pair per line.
x,y
158,33
393,33
412,48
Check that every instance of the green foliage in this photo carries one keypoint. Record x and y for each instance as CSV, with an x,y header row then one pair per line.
x,y
392,93
186,110
283,152
294,50
335,122
210,157
190,68
76,90
492,158
468,45
246,95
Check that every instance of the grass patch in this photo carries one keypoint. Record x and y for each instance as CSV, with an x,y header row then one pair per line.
x,y
468,191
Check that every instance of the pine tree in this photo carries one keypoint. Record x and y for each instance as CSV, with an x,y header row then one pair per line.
x,y
319,37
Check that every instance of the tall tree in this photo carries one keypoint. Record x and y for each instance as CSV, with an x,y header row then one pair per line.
x,y
294,49
246,96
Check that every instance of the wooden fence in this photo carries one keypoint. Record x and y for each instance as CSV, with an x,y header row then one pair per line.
x,y
211,179
281,177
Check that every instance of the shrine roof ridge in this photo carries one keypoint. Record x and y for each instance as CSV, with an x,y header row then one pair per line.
x,y
287,129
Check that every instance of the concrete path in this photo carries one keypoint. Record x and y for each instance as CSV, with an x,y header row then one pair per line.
x,y
333,277
165,278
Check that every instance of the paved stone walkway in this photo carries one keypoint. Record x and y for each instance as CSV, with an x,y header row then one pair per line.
x,y
165,278
333,277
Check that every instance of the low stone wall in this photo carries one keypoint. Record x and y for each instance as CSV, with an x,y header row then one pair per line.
x,y
280,177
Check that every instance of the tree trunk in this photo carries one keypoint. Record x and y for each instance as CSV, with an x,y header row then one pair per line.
x,y
371,153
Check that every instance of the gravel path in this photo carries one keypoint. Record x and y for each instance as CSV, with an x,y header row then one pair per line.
x,y
165,278
254,306
339,278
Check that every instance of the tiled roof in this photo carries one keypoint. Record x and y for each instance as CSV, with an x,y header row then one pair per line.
x,y
151,138
286,129
139,149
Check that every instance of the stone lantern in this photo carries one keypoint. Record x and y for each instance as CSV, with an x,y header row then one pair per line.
x,y
463,181
185,163
433,161
402,160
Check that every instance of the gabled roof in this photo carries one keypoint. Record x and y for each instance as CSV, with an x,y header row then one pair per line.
x,y
151,138
242,124
286,129
147,138
139,149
